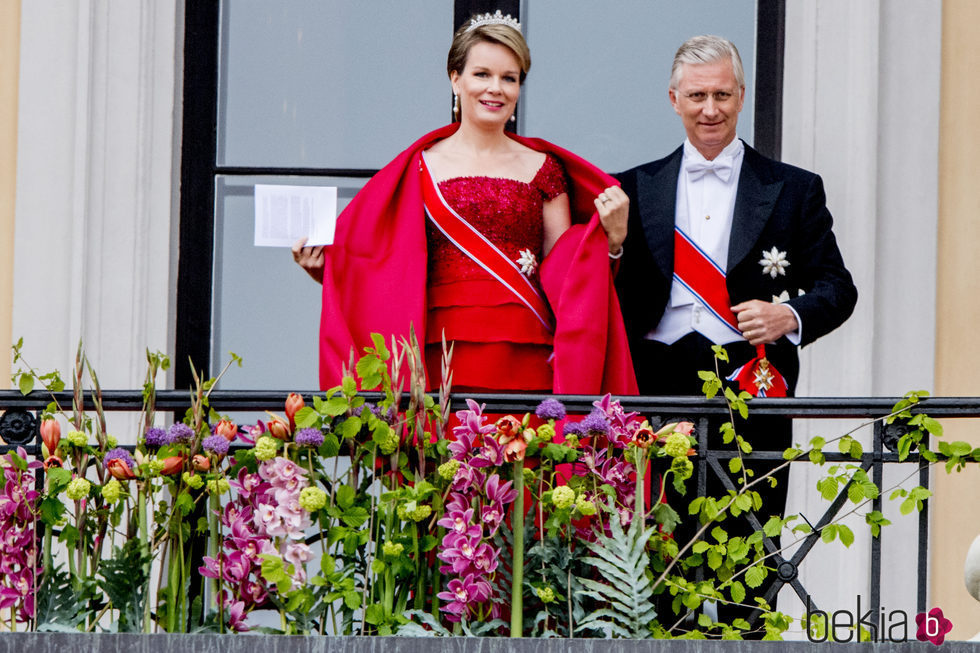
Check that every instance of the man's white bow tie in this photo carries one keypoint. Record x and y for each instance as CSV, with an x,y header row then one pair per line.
x,y
722,168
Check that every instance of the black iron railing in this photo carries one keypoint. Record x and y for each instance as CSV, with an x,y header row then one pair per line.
x,y
18,427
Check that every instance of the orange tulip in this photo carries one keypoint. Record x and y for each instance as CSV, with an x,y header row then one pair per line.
x,y
294,402
643,437
508,428
51,434
201,462
120,470
278,428
172,465
53,461
515,449
227,429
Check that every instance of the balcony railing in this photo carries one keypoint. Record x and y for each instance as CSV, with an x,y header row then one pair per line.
x,y
18,427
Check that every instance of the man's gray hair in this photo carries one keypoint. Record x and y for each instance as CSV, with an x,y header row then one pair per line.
x,y
706,49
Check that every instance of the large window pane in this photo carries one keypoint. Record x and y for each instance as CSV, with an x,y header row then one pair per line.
x,y
266,309
598,85
330,83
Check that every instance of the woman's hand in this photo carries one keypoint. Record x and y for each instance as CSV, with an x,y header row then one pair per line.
x,y
310,259
614,206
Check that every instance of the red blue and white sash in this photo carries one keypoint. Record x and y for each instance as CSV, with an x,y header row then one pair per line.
x,y
705,279
479,249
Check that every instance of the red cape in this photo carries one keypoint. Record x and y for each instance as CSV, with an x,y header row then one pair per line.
x,y
374,276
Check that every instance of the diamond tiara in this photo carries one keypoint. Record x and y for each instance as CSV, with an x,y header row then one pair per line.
x,y
496,18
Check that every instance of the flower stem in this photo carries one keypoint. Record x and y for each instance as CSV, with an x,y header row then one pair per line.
x,y
144,535
517,588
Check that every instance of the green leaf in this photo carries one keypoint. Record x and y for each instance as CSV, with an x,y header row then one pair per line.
x,y
345,496
960,448
700,546
58,479
379,346
755,576
828,533
355,517
349,386
773,526
855,492
737,592
792,453
330,446
184,503
336,406
306,417
735,465
25,383
351,427
845,534
719,534
374,614
51,510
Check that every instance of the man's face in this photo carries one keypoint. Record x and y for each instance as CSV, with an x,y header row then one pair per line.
x,y
708,100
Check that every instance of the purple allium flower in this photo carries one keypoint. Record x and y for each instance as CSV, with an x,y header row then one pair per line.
x,y
122,455
216,444
309,437
595,422
180,432
156,437
550,409
573,428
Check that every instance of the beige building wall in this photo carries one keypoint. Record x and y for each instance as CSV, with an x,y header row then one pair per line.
x,y
9,68
956,517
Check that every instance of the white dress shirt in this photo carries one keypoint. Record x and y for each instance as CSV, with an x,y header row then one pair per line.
x,y
705,210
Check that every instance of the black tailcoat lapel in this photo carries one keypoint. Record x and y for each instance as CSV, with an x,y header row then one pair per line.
x,y
755,200
657,199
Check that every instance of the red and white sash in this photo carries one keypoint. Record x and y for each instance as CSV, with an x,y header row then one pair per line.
x,y
479,249
705,279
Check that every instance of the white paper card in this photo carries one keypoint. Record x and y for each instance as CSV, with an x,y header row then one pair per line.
x,y
284,214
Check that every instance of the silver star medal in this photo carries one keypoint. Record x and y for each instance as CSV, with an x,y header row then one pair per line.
x,y
773,262
528,262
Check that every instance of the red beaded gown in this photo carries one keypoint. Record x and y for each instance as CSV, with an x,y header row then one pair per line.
x,y
499,344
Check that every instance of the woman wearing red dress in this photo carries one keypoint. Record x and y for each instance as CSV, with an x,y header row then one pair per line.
x,y
469,233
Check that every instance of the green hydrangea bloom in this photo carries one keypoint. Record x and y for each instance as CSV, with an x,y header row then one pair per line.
x,y
389,443
154,467
563,497
421,512
110,441
683,467
546,594
529,477
78,489
312,499
677,445
447,470
584,506
392,549
76,438
571,440
218,486
546,432
111,491
266,447
193,481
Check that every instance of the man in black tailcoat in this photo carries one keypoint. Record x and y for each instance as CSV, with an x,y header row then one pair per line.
x,y
758,227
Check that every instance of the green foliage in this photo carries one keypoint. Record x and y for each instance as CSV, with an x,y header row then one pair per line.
x,y
620,559
60,606
124,582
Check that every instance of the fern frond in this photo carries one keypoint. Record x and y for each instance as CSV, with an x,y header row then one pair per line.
x,y
621,584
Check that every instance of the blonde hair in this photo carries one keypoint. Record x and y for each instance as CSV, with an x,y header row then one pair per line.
x,y
465,38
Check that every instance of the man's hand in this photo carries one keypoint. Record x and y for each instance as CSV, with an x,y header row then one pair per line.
x,y
614,207
310,259
763,322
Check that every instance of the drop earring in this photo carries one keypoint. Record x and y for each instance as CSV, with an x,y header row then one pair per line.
x,y
455,107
